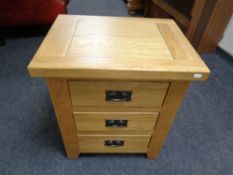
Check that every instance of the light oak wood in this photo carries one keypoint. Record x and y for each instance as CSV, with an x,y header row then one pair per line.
x,y
180,49
92,93
54,45
84,56
95,144
121,49
117,40
89,121
171,105
60,97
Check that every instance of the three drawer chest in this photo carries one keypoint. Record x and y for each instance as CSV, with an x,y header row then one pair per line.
x,y
116,83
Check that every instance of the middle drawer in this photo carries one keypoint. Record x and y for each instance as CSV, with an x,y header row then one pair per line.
x,y
115,121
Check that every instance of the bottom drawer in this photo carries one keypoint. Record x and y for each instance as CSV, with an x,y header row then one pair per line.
x,y
113,144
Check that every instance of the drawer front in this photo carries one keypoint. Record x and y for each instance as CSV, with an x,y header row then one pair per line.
x,y
115,121
117,94
113,144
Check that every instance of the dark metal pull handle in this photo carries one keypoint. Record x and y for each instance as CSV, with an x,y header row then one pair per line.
x,y
114,143
116,123
118,96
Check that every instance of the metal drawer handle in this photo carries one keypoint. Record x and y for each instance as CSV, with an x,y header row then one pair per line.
x,y
114,143
116,123
118,96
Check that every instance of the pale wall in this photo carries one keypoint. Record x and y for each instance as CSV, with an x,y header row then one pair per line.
x,y
227,41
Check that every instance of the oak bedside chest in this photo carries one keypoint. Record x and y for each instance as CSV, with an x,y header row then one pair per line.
x,y
116,83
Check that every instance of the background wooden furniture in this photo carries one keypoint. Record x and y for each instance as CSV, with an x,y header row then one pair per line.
x,y
134,6
203,21
116,83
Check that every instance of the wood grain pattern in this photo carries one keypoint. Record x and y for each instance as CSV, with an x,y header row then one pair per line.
x,y
95,144
89,121
60,97
180,49
92,93
171,105
115,40
54,45
121,48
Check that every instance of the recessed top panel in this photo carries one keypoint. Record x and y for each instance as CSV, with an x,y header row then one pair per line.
x,y
114,40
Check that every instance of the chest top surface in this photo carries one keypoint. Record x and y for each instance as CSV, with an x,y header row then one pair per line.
x,y
92,47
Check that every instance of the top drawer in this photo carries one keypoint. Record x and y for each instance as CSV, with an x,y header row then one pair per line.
x,y
117,94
